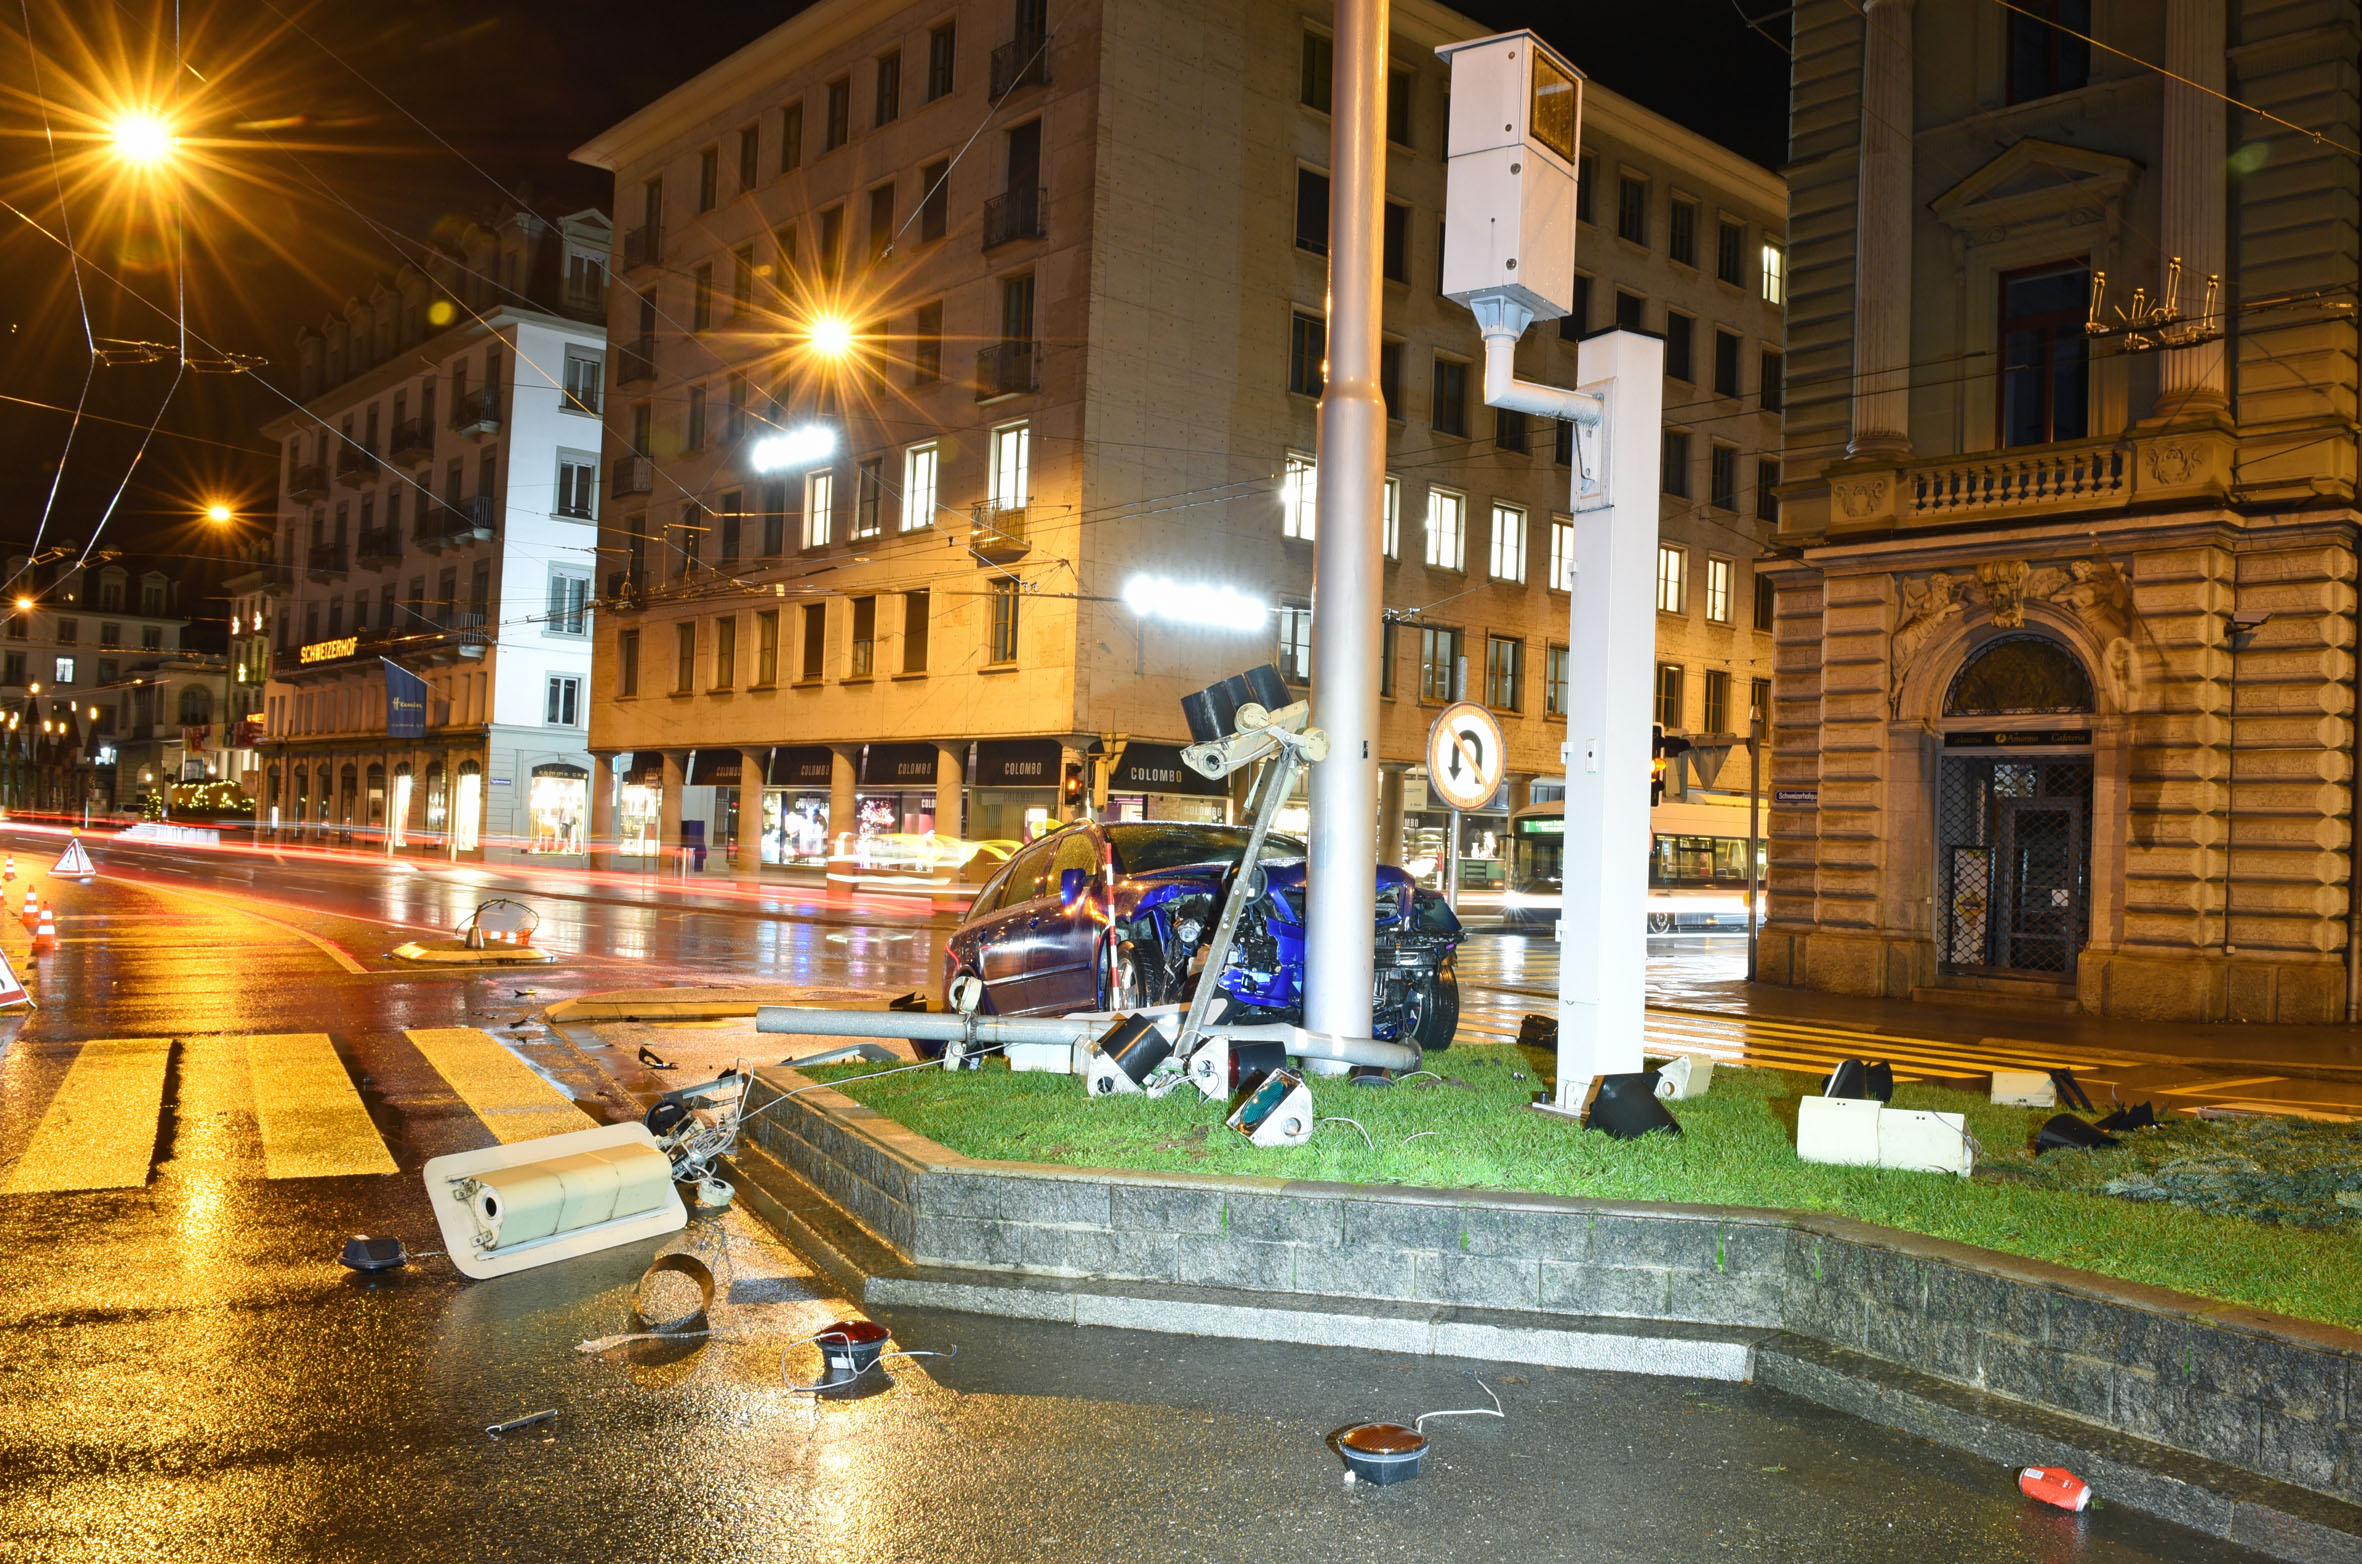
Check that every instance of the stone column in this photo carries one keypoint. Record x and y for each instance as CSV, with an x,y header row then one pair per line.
x,y
843,830
753,766
2192,380
951,764
668,811
1882,238
1390,815
602,811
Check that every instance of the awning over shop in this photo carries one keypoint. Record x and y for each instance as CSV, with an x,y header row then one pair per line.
x,y
714,768
1017,763
898,766
643,768
805,770
1157,768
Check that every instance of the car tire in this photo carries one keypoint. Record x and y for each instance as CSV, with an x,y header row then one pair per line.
x,y
1436,1010
1660,923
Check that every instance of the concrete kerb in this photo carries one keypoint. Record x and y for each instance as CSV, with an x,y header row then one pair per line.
x,y
2240,1423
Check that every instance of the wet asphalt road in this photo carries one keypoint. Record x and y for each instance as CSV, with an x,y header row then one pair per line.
x,y
185,1373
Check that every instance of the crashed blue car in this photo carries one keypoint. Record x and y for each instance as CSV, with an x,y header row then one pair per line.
x,y
1040,938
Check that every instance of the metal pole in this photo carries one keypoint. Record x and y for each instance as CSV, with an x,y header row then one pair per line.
x,y
1754,831
1341,890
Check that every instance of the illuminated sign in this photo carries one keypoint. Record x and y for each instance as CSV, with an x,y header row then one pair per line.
x,y
329,651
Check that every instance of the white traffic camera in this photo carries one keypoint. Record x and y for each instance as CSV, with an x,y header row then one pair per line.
x,y
1509,210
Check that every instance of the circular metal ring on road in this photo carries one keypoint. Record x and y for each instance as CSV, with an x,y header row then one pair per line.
x,y
1465,755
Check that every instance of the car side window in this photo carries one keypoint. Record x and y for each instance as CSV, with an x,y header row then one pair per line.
x,y
1076,850
1027,871
989,899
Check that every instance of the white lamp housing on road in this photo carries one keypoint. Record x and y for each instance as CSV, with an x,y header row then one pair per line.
x,y
1509,205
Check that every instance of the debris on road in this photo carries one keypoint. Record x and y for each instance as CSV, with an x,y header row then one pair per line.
x,y
362,1252
654,1060
516,1424
2054,1485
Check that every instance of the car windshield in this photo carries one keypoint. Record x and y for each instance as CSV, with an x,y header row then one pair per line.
x,y
1143,847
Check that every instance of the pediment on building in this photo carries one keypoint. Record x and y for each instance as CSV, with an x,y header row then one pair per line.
x,y
2036,181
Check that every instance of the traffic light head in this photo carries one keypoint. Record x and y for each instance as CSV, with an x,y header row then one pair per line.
x,y
1071,791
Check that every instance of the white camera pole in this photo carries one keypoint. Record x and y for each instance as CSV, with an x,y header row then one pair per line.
x,y
1509,256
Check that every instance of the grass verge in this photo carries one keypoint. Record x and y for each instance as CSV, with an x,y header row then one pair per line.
x,y
1470,1131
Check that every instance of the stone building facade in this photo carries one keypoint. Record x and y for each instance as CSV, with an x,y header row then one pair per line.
x,y
1086,379
2066,613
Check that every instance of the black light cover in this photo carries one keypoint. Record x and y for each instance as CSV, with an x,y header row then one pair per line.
x,y
2065,1132
1212,713
1538,1032
1627,1107
2131,1116
365,1253
1135,1046
1874,1079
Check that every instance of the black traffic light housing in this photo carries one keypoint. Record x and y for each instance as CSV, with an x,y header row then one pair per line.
x,y
1071,789
1661,751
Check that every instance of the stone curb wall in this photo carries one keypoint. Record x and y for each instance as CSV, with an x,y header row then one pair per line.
x,y
2275,1397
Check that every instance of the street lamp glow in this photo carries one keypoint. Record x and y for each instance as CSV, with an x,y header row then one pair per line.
x,y
143,137
830,336
806,446
24,603
217,511
1194,603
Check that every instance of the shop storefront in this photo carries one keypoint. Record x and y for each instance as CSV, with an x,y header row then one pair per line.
x,y
795,806
709,805
896,790
1426,834
1013,796
639,807
1150,782
557,808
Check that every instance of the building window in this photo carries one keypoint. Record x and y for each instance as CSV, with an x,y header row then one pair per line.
x,y
820,490
1721,574
1299,498
742,282
685,657
1767,489
1320,65
1510,430
1766,603
1775,275
569,603
1676,463
889,95
869,485
1630,310
1632,209
1390,379
1294,622
65,670
791,138
2044,52
1672,578
750,140
1722,476
709,178
1394,249
1726,363
840,114
815,641
1681,233
2045,354
1312,211
693,426
1447,529
1307,352
1680,341
1668,714
934,200
1390,526
766,648
1562,553
1003,648
926,347
1774,372
829,243
865,637
1759,701
576,476
701,298
881,222
942,53
627,663
1730,254
1717,713
585,374
1401,84
1010,481
915,604
1504,673
726,652
1386,640
919,466
1554,660
1451,396
1439,664
1508,563
1586,176
1575,324
562,707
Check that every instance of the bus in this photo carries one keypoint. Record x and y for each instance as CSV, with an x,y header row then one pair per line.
x,y
1697,865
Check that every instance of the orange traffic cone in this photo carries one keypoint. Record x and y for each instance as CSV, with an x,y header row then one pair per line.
x,y
9,873
32,907
45,937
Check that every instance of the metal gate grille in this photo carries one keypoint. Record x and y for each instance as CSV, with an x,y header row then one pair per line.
x,y
2013,863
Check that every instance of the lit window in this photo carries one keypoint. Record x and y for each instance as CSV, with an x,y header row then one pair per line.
x,y
1299,495
820,491
1011,454
1672,582
1508,544
1719,573
1295,642
1392,525
1775,275
920,464
65,670
1562,553
1447,529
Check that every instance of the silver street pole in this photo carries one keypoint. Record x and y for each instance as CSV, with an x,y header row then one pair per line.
x,y
1341,893
1754,831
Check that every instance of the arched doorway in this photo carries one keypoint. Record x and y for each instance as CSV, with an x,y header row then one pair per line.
x,y
2013,811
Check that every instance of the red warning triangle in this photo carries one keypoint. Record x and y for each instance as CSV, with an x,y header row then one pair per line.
x,y
74,862
12,988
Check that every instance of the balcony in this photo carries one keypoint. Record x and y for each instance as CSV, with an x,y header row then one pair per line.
x,y
414,440
457,524
1024,61
2031,481
643,246
996,533
326,561
631,475
2028,484
459,637
1013,215
477,413
355,467
580,399
308,482
380,546
635,361
1007,369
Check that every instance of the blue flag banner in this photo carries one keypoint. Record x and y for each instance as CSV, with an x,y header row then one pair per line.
x,y
405,702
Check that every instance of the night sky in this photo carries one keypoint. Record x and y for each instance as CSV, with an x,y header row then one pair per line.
x,y
329,136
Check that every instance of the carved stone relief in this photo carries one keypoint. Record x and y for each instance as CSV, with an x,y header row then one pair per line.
x,y
2096,591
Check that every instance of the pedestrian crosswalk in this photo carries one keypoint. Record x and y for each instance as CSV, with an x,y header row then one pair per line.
x,y
101,1125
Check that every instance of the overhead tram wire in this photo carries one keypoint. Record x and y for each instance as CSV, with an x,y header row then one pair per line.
x,y
81,298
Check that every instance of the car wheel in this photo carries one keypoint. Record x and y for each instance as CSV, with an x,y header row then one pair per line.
x,y
1435,1010
1660,923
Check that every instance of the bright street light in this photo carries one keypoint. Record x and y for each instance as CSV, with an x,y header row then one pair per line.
x,y
143,137
830,336
1191,603
806,446
217,511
